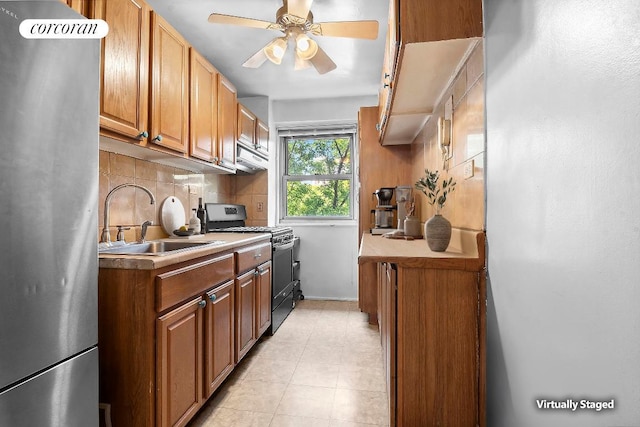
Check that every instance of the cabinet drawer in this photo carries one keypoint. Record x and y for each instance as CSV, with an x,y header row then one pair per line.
x,y
175,286
252,256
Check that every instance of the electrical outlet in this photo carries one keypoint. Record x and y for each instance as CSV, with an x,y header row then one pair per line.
x,y
260,207
468,169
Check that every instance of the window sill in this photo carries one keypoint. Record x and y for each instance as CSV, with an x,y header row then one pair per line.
x,y
320,223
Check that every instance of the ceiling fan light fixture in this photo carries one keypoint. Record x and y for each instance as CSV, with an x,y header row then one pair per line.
x,y
276,49
306,48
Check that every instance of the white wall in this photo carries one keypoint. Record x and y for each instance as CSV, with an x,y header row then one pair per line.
x,y
328,251
563,209
328,261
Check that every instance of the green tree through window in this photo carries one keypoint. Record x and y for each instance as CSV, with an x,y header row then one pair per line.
x,y
318,176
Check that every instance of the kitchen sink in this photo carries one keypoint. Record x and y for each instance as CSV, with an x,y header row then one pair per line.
x,y
158,247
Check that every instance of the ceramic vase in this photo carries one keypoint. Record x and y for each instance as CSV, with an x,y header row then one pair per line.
x,y
412,226
437,231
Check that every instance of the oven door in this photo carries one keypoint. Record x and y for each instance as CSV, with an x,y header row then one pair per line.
x,y
282,264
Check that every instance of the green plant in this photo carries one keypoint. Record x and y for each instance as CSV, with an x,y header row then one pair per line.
x,y
429,186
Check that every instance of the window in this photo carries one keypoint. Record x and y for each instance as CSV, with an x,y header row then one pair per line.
x,y
317,179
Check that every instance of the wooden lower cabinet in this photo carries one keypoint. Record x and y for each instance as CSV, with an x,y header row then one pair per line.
x,y
253,289
245,321
168,337
263,298
219,336
431,324
179,363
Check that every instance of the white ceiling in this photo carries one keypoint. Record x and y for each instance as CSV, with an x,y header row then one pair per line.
x,y
359,62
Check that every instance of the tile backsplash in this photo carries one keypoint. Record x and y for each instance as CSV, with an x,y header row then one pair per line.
x,y
130,207
465,206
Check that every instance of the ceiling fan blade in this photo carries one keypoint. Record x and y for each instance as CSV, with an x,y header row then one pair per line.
x,y
352,29
256,60
299,8
322,62
301,64
217,18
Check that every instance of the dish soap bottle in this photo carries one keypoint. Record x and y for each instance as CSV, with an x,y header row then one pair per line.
x,y
202,216
194,222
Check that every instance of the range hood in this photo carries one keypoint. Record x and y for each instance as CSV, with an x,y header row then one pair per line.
x,y
249,160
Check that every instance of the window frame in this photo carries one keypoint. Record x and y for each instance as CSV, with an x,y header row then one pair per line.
x,y
324,132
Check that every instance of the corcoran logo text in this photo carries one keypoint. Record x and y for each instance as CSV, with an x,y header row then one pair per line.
x,y
63,28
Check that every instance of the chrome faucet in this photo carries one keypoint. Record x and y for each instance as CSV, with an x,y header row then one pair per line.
x,y
143,231
106,237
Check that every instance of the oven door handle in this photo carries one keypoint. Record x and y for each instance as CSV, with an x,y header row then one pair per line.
x,y
284,247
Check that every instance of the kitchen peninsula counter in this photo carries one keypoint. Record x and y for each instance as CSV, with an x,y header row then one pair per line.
x,y
430,308
152,262
465,252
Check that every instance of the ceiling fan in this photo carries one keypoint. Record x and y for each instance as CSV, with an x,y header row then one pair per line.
x,y
295,20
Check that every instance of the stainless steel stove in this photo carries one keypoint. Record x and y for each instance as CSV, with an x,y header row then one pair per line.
x,y
230,218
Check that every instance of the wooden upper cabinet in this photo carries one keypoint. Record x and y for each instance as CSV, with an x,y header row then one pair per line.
x,y
204,108
262,137
124,69
227,112
252,131
246,125
428,40
80,6
388,64
435,20
169,87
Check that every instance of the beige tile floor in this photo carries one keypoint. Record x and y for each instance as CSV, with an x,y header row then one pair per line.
x,y
322,368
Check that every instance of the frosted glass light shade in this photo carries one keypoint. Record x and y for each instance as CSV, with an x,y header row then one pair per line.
x,y
276,49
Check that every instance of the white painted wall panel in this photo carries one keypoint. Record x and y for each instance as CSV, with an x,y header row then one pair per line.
x,y
563,209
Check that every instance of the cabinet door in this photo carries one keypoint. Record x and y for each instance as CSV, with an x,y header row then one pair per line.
x,y
219,336
227,109
389,345
169,86
124,69
262,137
388,66
263,298
245,313
80,6
204,108
179,364
246,125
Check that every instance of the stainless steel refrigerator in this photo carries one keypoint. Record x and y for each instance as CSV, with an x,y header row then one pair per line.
x,y
48,223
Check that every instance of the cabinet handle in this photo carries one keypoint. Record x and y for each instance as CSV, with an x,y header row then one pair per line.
x,y
143,134
255,273
202,303
387,75
257,255
158,138
212,297
386,85
377,126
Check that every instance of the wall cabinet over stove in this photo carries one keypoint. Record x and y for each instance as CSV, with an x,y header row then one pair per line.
x,y
169,336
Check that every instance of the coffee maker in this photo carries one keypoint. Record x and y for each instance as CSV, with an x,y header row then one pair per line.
x,y
383,214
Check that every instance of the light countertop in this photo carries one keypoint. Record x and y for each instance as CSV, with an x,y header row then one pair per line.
x,y
151,262
465,252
